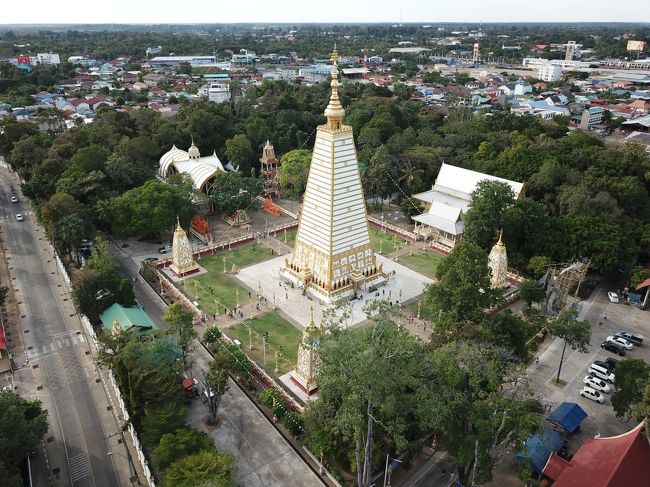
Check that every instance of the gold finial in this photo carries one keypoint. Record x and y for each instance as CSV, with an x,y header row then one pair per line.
x,y
334,111
500,242
335,56
178,222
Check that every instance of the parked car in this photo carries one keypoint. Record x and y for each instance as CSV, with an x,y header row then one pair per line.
x,y
622,342
20,217
592,394
14,199
635,339
613,347
602,373
608,364
596,383
164,249
613,297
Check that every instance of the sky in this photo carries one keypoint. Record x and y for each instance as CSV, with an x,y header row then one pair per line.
x,y
301,11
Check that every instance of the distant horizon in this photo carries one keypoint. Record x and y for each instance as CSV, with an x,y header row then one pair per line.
x,y
203,12
419,22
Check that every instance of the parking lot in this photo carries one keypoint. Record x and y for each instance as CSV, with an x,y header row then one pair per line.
x,y
619,317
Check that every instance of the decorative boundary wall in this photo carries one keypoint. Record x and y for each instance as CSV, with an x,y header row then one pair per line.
x,y
393,229
91,333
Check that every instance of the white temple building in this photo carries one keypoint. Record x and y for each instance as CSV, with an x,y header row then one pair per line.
x,y
202,169
448,200
333,258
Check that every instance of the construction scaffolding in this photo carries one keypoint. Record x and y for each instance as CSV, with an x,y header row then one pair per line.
x,y
561,280
269,170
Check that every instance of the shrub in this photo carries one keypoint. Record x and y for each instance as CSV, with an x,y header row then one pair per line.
x,y
294,423
267,397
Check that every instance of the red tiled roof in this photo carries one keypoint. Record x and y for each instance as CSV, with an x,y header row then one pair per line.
x,y
3,340
618,461
555,466
644,284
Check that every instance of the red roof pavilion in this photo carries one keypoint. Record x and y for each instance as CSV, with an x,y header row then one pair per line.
x,y
618,461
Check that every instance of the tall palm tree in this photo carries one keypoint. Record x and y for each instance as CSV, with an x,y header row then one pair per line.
x,y
410,177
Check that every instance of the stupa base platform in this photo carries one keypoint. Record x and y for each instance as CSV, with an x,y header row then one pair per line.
x,y
176,277
297,390
292,302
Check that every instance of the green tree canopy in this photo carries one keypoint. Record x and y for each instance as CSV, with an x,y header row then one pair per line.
x,y
462,292
161,419
232,191
150,210
632,382
99,283
294,171
531,292
575,332
181,322
23,425
239,151
365,390
181,443
488,204
479,403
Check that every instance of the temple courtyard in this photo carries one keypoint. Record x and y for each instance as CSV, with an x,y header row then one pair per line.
x,y
403,286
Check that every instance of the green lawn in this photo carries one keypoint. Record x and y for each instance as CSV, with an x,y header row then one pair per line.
x,y
425,309
291,236
386,242
424,261
215,285
283,338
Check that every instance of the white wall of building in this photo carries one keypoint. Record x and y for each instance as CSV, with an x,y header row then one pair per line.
x,y
549,73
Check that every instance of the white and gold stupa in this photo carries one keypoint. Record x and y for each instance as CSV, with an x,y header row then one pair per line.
x,y
498,263
308,363
182,258
332,257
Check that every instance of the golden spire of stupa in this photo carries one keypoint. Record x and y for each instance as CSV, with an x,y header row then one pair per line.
x,y
334,111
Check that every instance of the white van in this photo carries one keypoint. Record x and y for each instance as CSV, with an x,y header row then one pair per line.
x,y
602,373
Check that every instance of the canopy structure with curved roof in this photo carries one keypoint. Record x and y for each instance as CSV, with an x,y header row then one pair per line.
x,y
202,170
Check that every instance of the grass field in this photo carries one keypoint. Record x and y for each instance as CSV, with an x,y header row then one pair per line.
x,y
215,290
423,261
291,236
283,338
425,310
386,242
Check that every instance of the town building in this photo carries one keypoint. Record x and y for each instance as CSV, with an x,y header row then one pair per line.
x,y
447,202
333,257
219,92
48,58
549,72
591,116
194,61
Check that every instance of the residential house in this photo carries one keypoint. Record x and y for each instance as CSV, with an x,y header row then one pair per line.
x,y
591,116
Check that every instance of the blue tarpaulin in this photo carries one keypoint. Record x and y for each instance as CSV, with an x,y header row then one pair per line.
x,y
539,447
568,416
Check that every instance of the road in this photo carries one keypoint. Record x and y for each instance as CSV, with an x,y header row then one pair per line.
x,y
56,366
